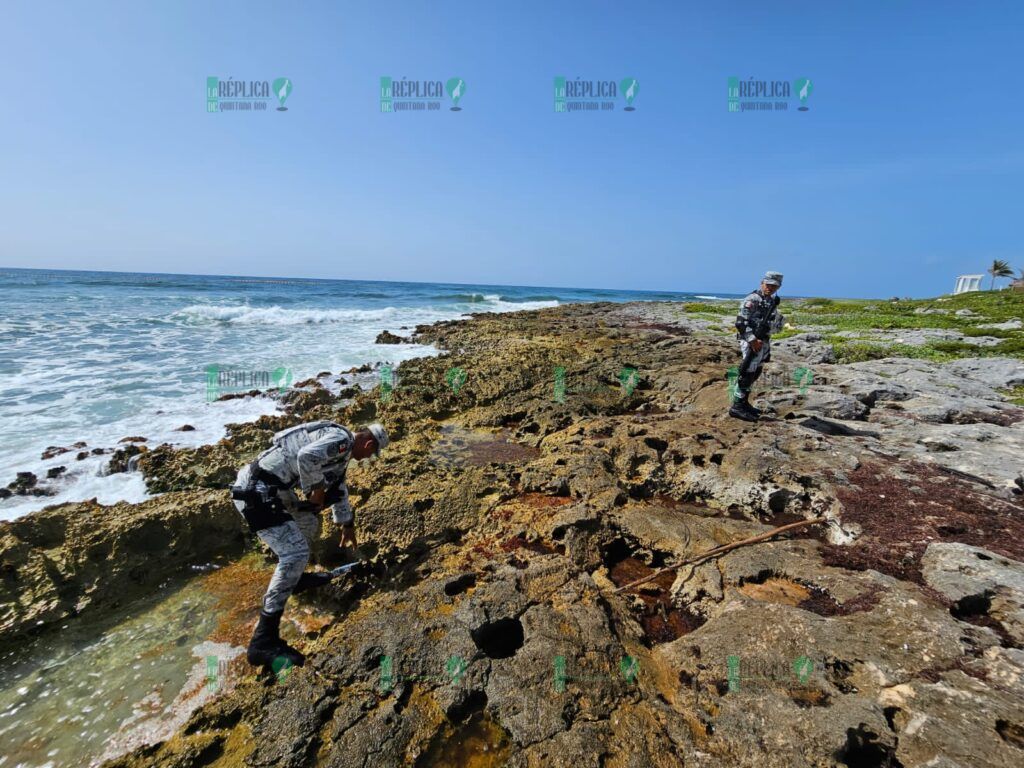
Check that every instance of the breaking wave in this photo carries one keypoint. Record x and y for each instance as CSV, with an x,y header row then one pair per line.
x,y
247,315
202,314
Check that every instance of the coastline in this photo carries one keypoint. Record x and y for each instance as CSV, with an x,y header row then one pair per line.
x,y
499,503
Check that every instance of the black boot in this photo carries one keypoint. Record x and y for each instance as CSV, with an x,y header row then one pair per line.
x,y
266,643
312,580
741,409
265,639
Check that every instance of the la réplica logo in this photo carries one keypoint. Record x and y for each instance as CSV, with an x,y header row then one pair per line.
x,y
232,95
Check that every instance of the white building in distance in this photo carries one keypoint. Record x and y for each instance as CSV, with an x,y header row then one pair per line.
x,y
966,283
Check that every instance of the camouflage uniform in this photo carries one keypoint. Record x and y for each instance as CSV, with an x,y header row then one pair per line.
x,y
306,455
758,317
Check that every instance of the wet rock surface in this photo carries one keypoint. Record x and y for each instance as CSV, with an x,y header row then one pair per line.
x,y
387,337
484,627
71,558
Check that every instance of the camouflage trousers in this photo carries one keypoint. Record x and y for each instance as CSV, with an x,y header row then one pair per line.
x,y
291,542
749,375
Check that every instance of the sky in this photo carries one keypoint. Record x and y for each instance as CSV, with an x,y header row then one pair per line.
x,y
905,171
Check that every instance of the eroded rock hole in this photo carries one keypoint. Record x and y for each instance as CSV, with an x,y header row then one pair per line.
x,y
615,552
651,603
656,443
499,639
777,501
890,717
460,585
1011,733
972,607
838,673
864,750
760,577
462,709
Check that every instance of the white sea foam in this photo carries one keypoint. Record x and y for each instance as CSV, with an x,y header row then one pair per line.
x,y
275,315
499,305
247,315
121,365
87,479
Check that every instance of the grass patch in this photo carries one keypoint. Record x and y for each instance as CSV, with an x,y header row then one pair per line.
x,y
713,308
865,314
995,332
1006,348
857,351
1015,395
853,351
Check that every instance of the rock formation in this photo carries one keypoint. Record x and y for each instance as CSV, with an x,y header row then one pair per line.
x,y
586,446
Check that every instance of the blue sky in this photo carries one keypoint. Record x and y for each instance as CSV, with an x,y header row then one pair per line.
x,y
906,170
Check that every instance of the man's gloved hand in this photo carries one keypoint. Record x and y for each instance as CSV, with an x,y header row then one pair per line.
x,y
757,344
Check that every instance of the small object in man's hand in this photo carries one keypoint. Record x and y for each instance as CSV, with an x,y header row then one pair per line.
x,y
343,569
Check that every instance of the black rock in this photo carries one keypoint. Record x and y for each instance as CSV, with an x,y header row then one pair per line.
x,y
387,337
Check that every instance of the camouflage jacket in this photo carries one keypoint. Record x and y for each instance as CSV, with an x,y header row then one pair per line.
x,y
759,317
313,453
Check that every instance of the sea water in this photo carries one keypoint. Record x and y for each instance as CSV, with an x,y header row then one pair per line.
x,y
95,357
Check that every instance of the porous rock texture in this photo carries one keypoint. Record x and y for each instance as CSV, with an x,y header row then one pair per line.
x,y
484,627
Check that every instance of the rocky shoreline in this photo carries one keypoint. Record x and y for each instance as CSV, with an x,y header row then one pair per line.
x,y
484,628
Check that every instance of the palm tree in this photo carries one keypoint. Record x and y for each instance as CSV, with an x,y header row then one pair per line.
x,y
999,268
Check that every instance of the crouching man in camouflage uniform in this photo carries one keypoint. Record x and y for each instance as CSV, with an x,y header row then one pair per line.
x,y
315,457
758,318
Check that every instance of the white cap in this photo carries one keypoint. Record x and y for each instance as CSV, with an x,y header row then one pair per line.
x,y
380,436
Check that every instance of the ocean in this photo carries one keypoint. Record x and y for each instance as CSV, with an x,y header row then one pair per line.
x,y
94,357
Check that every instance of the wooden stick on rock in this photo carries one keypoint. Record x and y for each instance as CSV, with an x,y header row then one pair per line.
x,y
723,549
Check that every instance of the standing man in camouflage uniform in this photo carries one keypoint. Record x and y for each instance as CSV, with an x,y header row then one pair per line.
x,y
315,457
759,316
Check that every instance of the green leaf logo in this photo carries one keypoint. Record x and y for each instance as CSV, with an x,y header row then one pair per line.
x,y
630,668
803,88
212,382
560,384
733,665
802,668
629,378
733,375
282,668
456,668
455,377
387,382
803,376
281,377
456,88
282,89
387,675
629,87
560,676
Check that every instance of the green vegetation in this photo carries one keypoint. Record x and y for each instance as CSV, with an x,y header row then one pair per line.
x,y
830,316
848,351
716,308
1016,395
